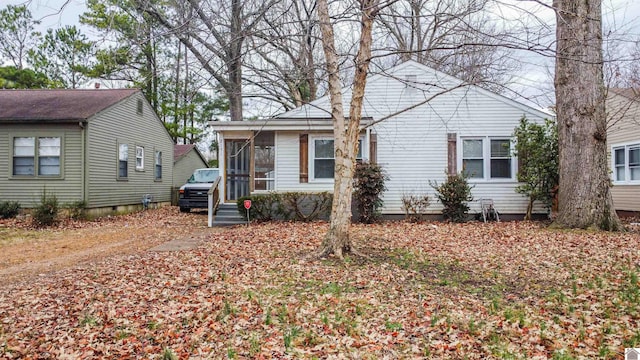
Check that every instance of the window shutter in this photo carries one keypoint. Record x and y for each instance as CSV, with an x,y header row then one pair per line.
x,y
451,154
373,148
304,158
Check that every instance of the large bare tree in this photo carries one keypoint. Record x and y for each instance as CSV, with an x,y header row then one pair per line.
x,y
215,32
345,130
584,191
455,37
286,58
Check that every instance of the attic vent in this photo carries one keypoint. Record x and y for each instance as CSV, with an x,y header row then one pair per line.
x,y
139,110
410,82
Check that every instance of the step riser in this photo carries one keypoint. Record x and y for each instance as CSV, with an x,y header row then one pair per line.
x,y
227,215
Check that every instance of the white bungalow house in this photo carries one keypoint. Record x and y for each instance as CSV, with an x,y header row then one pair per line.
x,y
418,124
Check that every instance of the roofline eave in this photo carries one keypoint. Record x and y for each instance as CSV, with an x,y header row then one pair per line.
x,y
278,124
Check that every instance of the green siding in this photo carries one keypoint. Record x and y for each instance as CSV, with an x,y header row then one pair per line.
x,y
67,188
184,167
122,124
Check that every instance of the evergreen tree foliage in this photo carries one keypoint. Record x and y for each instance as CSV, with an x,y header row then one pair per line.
x,y
537,150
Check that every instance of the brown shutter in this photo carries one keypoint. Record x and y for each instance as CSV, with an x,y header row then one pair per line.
x,y
452,160
304,158
373,148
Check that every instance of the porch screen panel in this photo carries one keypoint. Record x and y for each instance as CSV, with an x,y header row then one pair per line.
x,y
238,163
264,161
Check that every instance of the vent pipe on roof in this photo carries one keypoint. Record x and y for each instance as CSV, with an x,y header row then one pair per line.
x,y
97,85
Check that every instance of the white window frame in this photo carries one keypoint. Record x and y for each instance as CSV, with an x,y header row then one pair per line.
x,y
486,158
139,156
626,147
126,159
157,162
312,151
36,156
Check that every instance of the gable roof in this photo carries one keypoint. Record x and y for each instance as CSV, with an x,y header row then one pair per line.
x,y
58,104
180,151
437,81
631,93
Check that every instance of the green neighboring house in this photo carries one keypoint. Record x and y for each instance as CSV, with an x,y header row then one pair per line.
x,y
186,159
105,147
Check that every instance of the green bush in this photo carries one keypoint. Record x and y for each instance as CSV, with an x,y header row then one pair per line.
x,y
454,194
77,210
368,185
537,151
46,212
296,206
264,207
9,209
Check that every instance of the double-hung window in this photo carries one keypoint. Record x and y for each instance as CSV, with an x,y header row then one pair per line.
x,y
123,161
37,156
487,158
139,158
473,158
158,165
323,158
626,163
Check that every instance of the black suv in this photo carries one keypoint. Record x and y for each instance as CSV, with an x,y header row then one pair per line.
x,y
194,194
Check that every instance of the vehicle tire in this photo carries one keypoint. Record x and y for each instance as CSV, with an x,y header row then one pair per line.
x,y
185,209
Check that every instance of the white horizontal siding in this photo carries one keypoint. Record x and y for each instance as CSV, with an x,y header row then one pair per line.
x,y
623,117
288,165
626,197
412,145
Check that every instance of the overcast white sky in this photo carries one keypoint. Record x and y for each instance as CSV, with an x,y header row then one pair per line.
x,y
622,15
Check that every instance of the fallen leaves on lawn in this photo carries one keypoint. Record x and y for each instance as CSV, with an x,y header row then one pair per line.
x,y
476,291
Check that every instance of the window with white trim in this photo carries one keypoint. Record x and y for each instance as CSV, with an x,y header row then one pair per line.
x,y
487,158
158,165
123,161
323,157
45,152
626,163
473,158
139,158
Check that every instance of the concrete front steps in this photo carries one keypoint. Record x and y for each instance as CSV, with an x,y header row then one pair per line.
x,y
227,215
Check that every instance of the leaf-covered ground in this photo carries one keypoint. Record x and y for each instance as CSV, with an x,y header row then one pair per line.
x,y
26,250
510,290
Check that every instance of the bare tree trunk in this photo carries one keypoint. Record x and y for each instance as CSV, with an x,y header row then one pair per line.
x,y
337,240
235,63
584,191
527,216
176,104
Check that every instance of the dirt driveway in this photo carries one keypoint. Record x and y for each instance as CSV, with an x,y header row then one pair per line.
x,y
26,251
